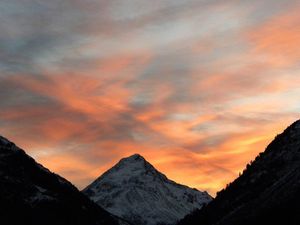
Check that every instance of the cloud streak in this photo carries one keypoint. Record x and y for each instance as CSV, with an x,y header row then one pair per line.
x,y
197,87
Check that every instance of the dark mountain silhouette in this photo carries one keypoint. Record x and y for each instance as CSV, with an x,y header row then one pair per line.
x,y
32,195
267,192
134,190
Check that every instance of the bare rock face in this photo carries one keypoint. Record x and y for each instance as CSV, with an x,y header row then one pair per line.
x,y
135,191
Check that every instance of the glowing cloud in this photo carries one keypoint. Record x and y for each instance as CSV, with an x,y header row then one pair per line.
x,y
197,87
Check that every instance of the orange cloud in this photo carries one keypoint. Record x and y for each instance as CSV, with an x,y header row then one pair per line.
x,y
277,41
198,90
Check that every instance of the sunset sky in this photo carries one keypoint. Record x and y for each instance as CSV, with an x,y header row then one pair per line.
x,y
198,87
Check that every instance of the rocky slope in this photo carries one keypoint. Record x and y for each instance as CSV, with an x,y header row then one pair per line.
x,y
268,191
134,190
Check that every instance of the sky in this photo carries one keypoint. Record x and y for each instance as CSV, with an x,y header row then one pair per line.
x,y
198,87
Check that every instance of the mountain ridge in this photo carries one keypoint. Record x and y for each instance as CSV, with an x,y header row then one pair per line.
x,y
267,192
30,194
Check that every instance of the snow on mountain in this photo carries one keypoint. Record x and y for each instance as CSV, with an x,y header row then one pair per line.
x,y
135,191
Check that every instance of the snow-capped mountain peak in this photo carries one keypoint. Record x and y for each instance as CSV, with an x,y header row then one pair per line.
x,y
133,162
135,191
134,157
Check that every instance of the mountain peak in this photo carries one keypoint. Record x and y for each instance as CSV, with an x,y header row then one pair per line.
x,y
131,167
137,192
133,158
134,165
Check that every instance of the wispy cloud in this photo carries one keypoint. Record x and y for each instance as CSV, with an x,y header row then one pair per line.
x,y
197,87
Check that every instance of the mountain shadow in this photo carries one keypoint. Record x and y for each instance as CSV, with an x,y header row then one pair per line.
x,y
32,195
267,192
